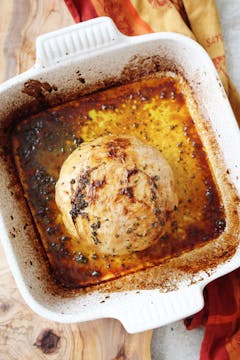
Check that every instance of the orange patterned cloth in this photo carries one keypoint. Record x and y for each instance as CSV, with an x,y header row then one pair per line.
x,y
221,318
199,20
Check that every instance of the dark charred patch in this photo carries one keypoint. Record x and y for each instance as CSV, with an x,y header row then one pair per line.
x,y
82,80
37,89
131,173
116,149
128,191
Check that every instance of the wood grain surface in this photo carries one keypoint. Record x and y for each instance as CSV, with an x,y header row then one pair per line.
x,y
23,334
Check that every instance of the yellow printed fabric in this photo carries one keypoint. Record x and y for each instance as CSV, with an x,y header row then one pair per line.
x,y
197,19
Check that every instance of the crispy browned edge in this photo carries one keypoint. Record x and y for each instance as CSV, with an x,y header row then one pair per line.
x,y
171,272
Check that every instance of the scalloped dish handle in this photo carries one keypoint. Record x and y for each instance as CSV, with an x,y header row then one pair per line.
x,y
142,315
79,39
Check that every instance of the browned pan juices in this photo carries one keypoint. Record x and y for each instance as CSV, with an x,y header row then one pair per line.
x,y
155,111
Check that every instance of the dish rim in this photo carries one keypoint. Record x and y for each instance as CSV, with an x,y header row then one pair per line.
x,y
128,319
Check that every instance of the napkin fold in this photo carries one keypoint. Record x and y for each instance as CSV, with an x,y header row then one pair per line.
x,y
199,20
221,318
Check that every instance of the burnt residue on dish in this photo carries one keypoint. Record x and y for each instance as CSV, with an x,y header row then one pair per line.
x,y
155,111
38,89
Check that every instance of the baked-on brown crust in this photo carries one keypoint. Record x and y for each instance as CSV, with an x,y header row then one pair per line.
x,y
168,275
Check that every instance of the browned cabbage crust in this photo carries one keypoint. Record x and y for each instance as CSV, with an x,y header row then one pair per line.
x,y
115,194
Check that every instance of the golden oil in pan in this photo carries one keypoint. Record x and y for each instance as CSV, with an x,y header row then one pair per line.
x,y
155,111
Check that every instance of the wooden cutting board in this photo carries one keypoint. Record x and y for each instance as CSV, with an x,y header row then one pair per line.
x,y
23,334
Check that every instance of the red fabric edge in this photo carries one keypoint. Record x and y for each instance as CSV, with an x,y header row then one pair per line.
x,y
81,9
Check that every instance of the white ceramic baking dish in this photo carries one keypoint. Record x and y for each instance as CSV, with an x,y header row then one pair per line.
x,y
95,50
